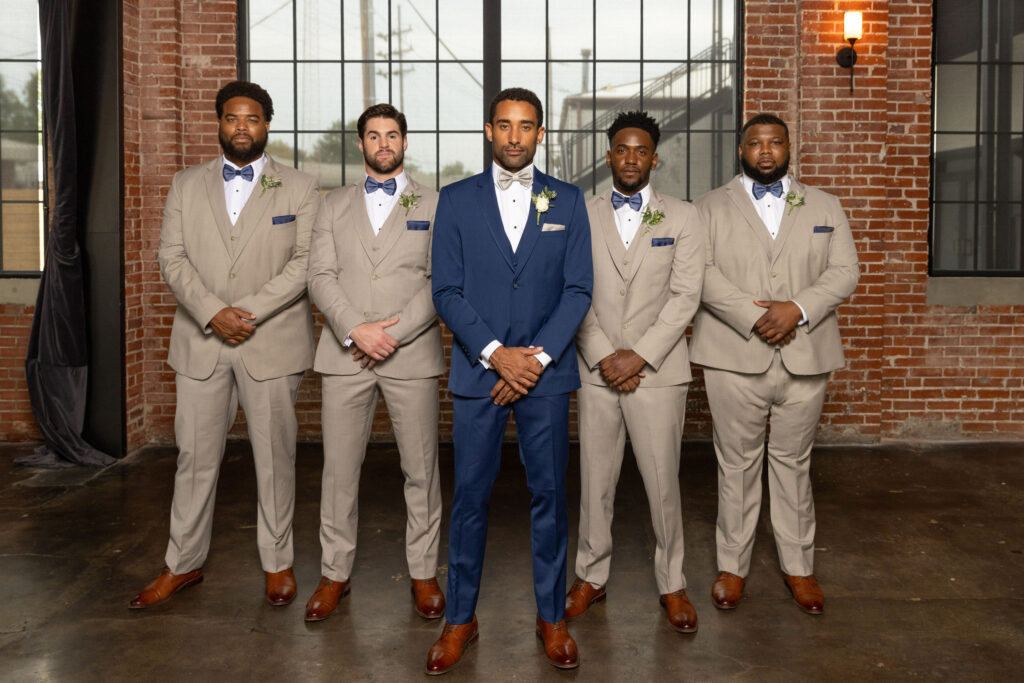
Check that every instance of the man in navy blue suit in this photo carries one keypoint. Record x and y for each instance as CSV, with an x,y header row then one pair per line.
x,y
512,279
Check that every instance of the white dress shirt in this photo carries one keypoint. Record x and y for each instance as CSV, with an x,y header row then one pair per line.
x,y
770,210
514,205
238,190
379,203
627,220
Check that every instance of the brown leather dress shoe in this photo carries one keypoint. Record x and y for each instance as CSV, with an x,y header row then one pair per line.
x,y
448,650
727,590
164,586
807,593
280,587
428,598
581,596
325,598
680,611
558,644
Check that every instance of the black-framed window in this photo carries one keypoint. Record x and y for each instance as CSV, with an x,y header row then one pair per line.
x,y
440,62
22,143
977,193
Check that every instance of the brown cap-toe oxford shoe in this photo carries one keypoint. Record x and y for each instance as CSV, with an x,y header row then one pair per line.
x,y
807,593
449,648
559,646
280,587
581,596
680,611
428,598
727,590
325,598
164,586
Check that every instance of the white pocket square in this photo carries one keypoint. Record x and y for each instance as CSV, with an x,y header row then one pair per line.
x,y
552,227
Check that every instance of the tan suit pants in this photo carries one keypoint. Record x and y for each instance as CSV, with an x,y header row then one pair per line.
x,y
204,414
653,416
740,405
349,402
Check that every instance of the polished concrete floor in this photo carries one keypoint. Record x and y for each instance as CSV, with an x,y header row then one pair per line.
x,y
919,553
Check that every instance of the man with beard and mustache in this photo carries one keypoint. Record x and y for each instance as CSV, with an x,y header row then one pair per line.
x,y
648,268
780,260
369,274
512,280
233,250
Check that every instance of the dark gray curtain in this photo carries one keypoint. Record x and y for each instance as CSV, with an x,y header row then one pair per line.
x,y
57,365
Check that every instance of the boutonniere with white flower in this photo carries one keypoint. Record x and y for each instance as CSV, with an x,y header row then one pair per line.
x,y
268,182
650,219
542,201
794,200
410,201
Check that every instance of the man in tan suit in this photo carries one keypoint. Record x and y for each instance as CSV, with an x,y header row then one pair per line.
x,y
780,260
369,274
648,254
233,249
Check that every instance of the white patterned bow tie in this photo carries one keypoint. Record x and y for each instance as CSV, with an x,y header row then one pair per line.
x,y
524,177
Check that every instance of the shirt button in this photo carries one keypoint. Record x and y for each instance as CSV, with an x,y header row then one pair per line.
x,y
233,238
625,262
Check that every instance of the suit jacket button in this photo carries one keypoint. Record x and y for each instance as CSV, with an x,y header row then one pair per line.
x,y
376,248
625,325
515,285
366,314
622,292
774,274
375,277
625,262
234,237
232,276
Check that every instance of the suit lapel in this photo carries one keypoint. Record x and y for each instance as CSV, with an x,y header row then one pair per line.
x,y
531,231
789,215
609,233
746,207
642,242
492,217
394,227
250,221
215,195
362,228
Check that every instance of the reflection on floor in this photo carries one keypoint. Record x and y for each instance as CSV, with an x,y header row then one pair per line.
x,y
919,554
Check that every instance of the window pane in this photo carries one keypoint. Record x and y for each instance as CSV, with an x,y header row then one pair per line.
x,y
618,30
19,83
577,157
270,30
365,85
953,237
666,21
568,81
21,154
354,169
460,30
277,79
421,158
414,92
366,34
461,107
709,168
19,30
618,89
708,20
460,156
956,90
526,75
321,158
319,30
1002,93
319,96
958,31
955,168
999,236
21,232
414,26
671,175
522,30
999,179
572,28
281,146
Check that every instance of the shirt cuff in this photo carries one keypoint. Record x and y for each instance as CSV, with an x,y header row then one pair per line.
x,y
544,359
348,341
485,355
803,314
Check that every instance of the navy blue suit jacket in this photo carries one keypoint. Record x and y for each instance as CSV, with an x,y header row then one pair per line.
x,y
535,296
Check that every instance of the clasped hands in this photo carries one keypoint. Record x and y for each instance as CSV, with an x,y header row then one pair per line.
x,y
519,370
621,369
233,325
371,344
778,324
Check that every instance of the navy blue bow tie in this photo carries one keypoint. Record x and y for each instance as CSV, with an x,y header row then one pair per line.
x,y
635,202
775,188
230,173
389,186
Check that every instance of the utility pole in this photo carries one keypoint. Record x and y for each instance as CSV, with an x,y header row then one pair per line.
x,y
366,40
396,55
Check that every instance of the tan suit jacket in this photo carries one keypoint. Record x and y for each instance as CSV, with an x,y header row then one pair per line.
x,y
812,261
356,277
258,265
644,297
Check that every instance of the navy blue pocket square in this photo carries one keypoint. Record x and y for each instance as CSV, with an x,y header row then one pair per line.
x,y
278,220
417,225
823,228
662,241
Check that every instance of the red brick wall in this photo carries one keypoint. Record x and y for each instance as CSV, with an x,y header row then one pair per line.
x,y
914,370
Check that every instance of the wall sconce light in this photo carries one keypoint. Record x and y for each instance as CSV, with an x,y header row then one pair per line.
x,y
852,31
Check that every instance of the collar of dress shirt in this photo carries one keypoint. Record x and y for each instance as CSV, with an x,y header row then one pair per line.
x,y
401,182
257,166
748,186
645,198
494,175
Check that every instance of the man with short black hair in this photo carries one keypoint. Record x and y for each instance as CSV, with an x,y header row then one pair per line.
x,y
780,261
233,250
648,268
512,280
369,274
